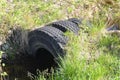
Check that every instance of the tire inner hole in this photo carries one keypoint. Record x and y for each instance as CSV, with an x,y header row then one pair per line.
x,y
45,59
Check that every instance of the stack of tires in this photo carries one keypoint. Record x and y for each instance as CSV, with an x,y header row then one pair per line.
x,y
45,46
47,43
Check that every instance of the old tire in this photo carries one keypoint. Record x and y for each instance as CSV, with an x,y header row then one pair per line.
x,y
46,45
66,26
76,21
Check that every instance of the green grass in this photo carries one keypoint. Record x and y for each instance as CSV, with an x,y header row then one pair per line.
x,y
93,55
86,60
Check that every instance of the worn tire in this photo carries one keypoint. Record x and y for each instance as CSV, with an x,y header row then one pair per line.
x,y
76,21
46,45
66,25
49,38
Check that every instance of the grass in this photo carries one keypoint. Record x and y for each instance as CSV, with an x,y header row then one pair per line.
x,y
93,55
86,60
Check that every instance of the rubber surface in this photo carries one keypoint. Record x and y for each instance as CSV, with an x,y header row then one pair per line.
x,y
49,38
76,21
66,25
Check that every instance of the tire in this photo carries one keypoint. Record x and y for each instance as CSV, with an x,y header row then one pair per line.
x,y
66,25
76,21
46,45
52,36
